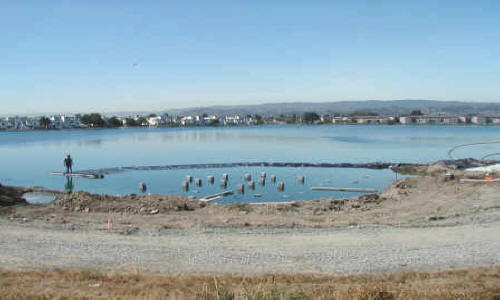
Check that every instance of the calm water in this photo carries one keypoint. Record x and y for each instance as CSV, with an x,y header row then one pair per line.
x,y
26,158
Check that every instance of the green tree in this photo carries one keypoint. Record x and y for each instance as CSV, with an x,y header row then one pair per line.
x,y
130,122
213,122
93,120
114,122
141,120
310,117
45,122
259,119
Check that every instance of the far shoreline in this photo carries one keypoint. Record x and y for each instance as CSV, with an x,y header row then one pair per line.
x,y
250,126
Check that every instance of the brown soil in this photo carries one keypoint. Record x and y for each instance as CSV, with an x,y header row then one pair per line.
x,y
415,200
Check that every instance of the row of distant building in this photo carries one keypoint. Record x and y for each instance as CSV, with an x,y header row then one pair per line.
x,y
418,120
66,122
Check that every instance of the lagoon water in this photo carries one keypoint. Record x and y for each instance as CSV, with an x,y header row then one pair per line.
x,y
26,157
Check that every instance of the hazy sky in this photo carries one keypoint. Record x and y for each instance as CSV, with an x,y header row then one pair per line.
x,y
153,55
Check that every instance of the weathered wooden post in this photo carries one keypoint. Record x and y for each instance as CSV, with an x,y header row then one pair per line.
x,y
142,187
210,179
223,183
247,177
189,178
272,178
301,179
241,188
251,185
198,181
281,186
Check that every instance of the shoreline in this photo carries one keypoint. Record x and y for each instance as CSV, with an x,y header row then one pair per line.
x,y
431,224
245,126
441,180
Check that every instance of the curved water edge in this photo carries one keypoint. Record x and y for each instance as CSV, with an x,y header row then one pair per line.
x,y
107,171
450,152
459,163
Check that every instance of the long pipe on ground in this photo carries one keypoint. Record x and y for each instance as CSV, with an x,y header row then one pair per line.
x,y
450,152
490,155
373,165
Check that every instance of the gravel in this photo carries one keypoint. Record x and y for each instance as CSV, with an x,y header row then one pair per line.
x,y
347,250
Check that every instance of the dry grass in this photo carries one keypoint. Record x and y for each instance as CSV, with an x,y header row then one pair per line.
x,y
480,283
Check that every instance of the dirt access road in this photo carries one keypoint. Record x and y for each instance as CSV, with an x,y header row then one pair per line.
x,y
345,250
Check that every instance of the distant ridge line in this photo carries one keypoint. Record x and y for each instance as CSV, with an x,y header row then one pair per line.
x,y
390,107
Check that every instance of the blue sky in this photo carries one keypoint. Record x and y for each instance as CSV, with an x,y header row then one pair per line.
x,y
153,55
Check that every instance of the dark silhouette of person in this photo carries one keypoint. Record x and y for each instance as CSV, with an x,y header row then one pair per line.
x,y
68,163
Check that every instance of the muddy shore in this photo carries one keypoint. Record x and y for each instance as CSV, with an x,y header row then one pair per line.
x,y
429,222
435,195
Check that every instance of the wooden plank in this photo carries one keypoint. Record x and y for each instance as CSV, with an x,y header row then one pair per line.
x,y
341,189
84,175
216,196
480,180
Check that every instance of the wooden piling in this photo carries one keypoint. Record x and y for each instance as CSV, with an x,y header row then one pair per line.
x,y
223,183
251,185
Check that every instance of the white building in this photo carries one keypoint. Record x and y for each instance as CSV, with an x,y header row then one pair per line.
x,y
371,120
64,122
156,121
480,120
433,120
495,120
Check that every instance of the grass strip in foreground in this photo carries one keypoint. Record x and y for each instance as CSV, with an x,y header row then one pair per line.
x,y
478,283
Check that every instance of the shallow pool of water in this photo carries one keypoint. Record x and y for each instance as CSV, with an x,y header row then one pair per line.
x,y
38,198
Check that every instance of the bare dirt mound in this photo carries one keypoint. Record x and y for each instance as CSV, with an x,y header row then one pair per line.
x,y
130,204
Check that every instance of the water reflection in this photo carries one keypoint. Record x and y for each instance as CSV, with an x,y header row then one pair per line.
x,y
69,186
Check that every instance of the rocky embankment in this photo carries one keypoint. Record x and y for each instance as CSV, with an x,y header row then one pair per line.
x,y
11,196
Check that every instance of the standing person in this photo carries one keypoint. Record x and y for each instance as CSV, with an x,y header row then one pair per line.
x,y
68,163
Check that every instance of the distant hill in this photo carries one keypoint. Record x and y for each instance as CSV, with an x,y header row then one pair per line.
x,y
392,107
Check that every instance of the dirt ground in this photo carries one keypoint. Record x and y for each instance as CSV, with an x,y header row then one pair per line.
x,y
413,201
427,223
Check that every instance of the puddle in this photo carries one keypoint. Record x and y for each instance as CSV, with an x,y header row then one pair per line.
x,y
39,198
